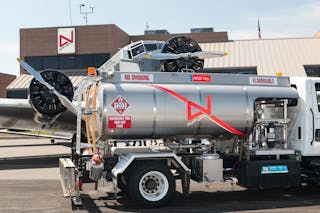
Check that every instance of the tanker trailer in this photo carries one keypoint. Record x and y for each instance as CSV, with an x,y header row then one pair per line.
x,y
221,127
211,127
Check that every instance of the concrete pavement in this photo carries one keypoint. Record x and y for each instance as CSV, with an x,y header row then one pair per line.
x,y
29,182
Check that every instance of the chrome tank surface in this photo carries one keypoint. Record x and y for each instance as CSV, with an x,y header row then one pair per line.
x,y
179,109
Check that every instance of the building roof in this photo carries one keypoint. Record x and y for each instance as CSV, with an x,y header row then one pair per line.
x,y
23,81
199,37
9,75
268,55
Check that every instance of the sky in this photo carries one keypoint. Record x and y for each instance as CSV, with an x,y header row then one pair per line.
x,y
278,19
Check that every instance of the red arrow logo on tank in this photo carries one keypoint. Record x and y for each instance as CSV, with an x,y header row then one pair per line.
x,y
191,104
207,111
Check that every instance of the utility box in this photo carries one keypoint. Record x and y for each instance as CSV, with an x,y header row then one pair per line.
x,y
208,168
67,177
268,174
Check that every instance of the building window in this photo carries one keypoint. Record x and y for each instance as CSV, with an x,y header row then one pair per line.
x,y
84,61
99,59
248,70
312,70
35,62
69,62
50,61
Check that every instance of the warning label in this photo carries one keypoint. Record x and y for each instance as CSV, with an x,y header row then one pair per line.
x,y
200,78
121,122
120,104
263,81
137,77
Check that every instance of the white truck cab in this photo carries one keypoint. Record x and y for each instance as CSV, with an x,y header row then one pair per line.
x,y
304,127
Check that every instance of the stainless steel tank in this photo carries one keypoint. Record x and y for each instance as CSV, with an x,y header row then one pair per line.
x,y
160,105
180,109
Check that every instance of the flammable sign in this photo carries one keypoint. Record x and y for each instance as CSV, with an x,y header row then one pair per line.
x,y
120,122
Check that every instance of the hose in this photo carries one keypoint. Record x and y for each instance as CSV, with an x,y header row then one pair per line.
x,y
94,105
86,117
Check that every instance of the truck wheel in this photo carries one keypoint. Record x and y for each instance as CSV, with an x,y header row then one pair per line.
x,y
151,184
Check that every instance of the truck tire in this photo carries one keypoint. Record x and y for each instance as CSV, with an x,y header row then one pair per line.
x,y
151,184
122,183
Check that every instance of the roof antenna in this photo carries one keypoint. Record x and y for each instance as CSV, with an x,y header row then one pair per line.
x,y
86,12
70,13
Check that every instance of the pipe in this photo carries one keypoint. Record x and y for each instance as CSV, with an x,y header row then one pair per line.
x,y
184,146
86,117
94,105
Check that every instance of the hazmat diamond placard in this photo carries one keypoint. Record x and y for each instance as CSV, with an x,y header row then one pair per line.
x,y
120,104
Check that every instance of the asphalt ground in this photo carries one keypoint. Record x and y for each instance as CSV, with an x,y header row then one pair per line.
x,y
29,182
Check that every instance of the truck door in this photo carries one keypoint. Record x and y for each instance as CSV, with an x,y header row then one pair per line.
x,y
315,119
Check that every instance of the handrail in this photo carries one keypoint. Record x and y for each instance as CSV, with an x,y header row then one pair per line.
x,y
312,126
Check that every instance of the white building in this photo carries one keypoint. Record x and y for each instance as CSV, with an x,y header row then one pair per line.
x,y
291,56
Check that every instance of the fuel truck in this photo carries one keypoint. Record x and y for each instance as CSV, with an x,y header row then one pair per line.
x,y
263,131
